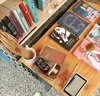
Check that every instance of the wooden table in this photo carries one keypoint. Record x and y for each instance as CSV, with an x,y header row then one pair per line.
x,y
70,62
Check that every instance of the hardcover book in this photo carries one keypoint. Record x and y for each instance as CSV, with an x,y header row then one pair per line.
x,y
33,11
8,23
53,54
16,25
19,20
73,23
26,14
4,27
94,34
86,11
21,16
89,53
49,62
63,37
42,4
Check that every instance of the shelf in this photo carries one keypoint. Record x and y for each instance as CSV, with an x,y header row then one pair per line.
x,y
2,1
43,17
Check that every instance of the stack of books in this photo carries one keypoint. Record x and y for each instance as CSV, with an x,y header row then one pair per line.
x,y
16,17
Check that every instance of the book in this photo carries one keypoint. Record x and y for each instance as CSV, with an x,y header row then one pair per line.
x,y
49,62
53,54
64,38
19,20
86,11
94,34
3,27
16,25
33,11
89,53
26,14
21,16
42,4
8,23
73,23
4,56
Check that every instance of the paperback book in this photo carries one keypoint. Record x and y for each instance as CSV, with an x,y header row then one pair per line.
x,y
49,62
89,53
73,23
63,37
94,34
86,11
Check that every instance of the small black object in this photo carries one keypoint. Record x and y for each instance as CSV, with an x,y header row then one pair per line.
x,y
42,64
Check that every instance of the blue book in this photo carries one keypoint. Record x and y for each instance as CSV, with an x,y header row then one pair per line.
x,y
73,23
4,56
32,9
86,11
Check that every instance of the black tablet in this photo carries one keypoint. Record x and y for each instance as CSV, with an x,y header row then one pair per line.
x,y
74,85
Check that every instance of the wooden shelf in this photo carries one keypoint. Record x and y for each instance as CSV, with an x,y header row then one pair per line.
x,y
43,17
2,1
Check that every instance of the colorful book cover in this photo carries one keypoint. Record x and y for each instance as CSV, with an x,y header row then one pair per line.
x,y
49,62
8,23
42,4
21,16
16,25
94,34
86,11
89,53
26,14
19,20
64,38
53,54
4,27
4,56
33,11
73,23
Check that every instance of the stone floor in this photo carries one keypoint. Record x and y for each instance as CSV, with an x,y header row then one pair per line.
x,y
17,81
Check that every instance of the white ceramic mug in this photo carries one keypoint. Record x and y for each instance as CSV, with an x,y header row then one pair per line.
x,y
34,55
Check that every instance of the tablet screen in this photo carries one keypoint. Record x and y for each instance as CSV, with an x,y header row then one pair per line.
x,y
74,85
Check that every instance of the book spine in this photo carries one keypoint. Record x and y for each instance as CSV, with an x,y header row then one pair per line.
x,y
3,27
22,19
40,5
8,23
19,35
26,14
32,8
16,25
19,20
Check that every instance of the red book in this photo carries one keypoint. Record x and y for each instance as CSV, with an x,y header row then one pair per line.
x,y
26,13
